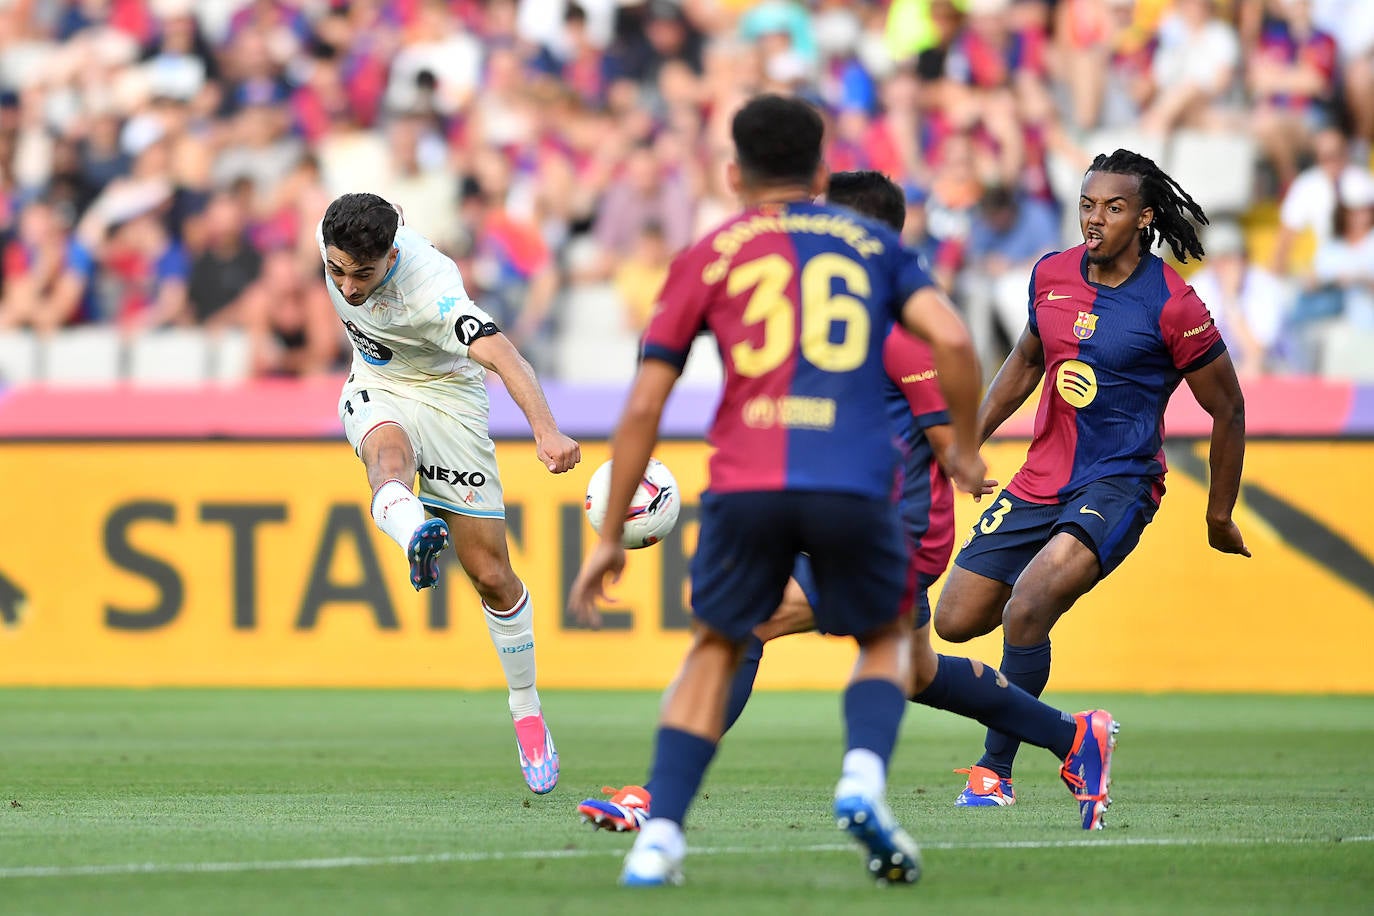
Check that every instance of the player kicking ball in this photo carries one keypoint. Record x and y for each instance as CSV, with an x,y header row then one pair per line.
x,y
415,402
920,422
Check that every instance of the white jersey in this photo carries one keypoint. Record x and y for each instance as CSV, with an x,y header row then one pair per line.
x,y
408,335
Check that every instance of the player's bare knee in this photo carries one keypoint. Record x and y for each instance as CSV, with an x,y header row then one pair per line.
x,y
496,583
959,624
1026,622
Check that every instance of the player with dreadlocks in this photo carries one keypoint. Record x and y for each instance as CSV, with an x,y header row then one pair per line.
x,y
1112,330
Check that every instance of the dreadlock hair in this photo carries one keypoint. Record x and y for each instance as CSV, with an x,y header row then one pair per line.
x,y
1172,205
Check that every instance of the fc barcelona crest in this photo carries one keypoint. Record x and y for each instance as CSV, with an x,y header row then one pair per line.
x,y
1085,325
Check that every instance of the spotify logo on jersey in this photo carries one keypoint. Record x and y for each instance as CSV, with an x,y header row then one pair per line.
x,y
1076,382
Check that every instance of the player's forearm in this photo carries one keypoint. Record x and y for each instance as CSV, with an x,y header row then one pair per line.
x,y
1013,384
1226,459
956,362
523,385
631,447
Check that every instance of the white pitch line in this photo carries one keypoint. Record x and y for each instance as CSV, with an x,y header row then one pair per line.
x,y
435,858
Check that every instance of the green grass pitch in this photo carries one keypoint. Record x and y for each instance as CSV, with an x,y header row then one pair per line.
x,y
299,802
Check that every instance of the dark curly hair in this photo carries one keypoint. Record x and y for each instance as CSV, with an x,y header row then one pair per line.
x,y
1172,205
362,226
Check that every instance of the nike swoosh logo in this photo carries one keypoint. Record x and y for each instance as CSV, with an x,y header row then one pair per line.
x,y
1086,511
1051,297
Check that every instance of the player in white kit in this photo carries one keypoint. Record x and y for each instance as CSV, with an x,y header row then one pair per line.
x,y
415,402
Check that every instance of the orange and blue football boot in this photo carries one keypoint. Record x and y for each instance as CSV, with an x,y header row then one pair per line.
x,y
626,809
985,789
1087,771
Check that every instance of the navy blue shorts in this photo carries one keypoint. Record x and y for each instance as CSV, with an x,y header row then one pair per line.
x,y
1107,515
748,545
919,602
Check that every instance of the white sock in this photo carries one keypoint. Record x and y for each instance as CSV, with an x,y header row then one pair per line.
x,y
397,511
661,833
865,769
512,633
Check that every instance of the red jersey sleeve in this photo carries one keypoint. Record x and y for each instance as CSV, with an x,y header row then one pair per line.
x,y
1189,331
909,364
680,312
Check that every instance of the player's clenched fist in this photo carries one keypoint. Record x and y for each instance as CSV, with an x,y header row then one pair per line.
x,y
559,453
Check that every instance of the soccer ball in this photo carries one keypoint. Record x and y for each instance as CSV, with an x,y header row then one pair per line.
x,y
653,508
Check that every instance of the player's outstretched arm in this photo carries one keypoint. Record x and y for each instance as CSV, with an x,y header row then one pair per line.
x,y
631,446
495,352
929,315
1014,382
1218,391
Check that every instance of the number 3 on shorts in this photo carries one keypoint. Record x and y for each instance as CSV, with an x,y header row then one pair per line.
x,y
993,520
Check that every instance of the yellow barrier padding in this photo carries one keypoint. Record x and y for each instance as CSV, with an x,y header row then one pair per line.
x,y
147,564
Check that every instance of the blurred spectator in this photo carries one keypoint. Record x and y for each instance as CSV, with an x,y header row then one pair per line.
x,y
650,34
601,126
1247,302
258,145
435,45
1007,235
291,325
639,278
642,193
1309,205
1345,262
225,265
48,275
1292,76
1194,70
1351,23
141,280
1104,62
418,180
507,268
1343,278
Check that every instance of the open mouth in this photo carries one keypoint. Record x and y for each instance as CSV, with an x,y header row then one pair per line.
x,y
1093,241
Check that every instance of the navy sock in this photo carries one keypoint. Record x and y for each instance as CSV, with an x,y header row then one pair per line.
x,y
680,762
1028,667
873,711
998,704
743,684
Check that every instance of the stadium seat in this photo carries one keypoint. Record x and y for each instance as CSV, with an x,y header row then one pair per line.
x,y
231,356
18,357
1110,139
593,343
1217,169
82,357
1346,353
169,357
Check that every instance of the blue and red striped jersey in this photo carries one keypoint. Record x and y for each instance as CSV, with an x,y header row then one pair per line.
x,y
1113,357
915,403
800,298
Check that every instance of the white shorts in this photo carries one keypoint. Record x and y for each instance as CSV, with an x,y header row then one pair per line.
x,y
455,460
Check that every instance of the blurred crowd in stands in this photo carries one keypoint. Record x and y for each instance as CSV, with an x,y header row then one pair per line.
x,y
163,163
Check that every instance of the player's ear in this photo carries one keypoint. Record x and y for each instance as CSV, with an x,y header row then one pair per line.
x,y
1146,217
734,178
821,180
391,257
